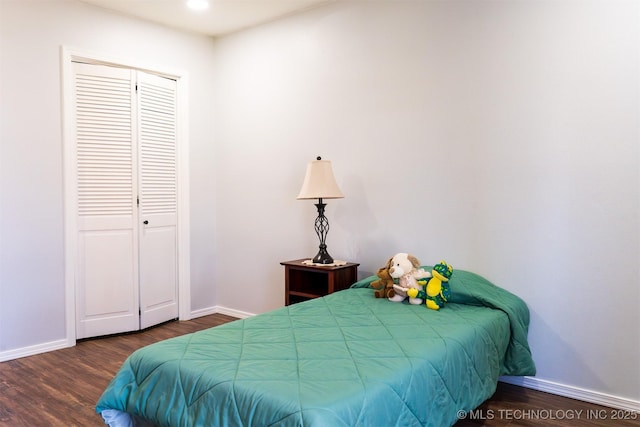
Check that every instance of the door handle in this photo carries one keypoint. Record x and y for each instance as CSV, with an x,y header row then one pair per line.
x,y
145,222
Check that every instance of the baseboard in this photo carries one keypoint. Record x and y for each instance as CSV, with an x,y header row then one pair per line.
x,y
33,350
203,312
572,392
221,310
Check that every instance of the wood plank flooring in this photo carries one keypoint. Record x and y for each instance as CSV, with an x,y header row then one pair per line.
x,y
60,388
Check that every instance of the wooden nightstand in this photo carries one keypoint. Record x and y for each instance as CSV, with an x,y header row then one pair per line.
x,y
303,282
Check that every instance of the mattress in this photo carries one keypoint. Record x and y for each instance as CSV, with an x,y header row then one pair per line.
x,y
347,359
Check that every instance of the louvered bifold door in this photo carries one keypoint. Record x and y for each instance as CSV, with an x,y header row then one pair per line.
x,y
157,136
105,128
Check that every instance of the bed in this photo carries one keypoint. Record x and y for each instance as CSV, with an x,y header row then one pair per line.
x,y
347,359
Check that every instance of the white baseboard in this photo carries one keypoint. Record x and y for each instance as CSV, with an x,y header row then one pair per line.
x,y
573,392
221,310
203,312
34,349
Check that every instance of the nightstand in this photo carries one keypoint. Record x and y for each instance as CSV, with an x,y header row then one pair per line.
x,y
303,282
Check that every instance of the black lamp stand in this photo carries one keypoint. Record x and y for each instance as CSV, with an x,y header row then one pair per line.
x,y
322,228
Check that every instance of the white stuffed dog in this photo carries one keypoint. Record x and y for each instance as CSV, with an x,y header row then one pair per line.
x,y
404,267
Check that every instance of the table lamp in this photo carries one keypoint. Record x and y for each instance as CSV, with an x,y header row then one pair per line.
x,y
319,183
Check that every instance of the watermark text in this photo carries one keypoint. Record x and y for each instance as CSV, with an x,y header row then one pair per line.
x,y
548,414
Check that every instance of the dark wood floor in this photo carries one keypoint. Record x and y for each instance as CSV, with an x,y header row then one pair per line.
x,y
60,388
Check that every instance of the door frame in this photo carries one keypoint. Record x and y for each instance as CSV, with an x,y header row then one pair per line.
x,y
68,55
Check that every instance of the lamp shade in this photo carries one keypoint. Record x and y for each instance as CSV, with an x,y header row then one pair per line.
x,y
319,182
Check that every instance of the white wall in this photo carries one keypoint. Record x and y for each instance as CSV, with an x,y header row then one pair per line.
x,y
32,289
501,136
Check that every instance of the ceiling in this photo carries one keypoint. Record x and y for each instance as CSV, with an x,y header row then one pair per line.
x,y
221,17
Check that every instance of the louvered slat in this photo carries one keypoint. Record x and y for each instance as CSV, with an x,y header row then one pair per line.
x,y
104,145
158,134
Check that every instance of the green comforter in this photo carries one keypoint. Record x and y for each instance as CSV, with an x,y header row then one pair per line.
x,y
347,359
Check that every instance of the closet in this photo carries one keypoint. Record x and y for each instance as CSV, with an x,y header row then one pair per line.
x,y
125,148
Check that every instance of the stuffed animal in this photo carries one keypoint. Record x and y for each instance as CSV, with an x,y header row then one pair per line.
x,y
404,267
383,286
436,291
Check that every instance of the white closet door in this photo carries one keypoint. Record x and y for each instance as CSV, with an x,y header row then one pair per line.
x,y
107,273
158,199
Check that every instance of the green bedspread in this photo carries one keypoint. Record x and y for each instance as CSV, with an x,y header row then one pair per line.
x,y
347,359
472,289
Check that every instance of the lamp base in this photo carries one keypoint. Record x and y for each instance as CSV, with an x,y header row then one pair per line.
x,y
322,257
322,228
